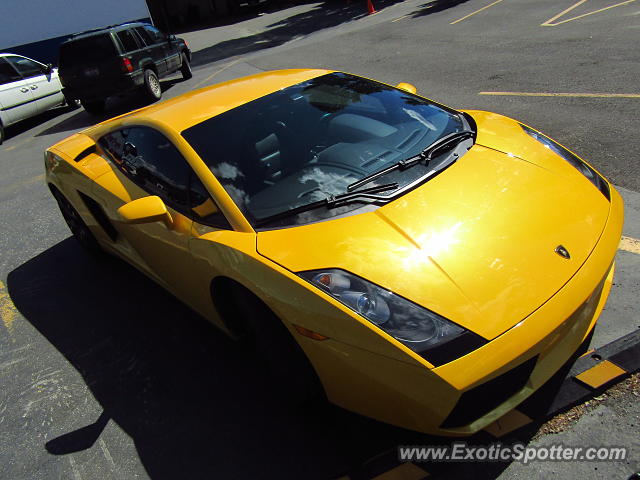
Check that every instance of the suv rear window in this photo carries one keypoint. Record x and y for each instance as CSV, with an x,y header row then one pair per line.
x,y
83,50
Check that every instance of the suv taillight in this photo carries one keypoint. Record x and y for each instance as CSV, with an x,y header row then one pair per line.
x,y
126,65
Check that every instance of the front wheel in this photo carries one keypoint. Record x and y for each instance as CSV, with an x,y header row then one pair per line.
x,y
152,86
185,69
292,378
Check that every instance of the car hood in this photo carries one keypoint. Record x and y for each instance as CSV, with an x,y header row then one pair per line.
x,y
476,244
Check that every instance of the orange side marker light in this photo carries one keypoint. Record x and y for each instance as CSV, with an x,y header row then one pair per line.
x,y
309,333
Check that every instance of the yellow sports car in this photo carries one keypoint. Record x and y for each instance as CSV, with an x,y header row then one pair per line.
x,y
427,267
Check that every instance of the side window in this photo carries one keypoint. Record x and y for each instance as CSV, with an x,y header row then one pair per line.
x,y
27,68
8,74
146,36
203,208
155,34
128,40
151,161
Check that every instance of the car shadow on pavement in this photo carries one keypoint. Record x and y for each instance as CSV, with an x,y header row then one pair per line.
x,y
115,106
194,401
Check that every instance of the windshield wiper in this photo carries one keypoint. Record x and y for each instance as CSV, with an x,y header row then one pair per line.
x,y
332,201
425,155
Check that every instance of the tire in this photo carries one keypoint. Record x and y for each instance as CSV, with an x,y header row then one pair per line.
x,y
71,103
291,376
94,107
78,228
152,88
185,69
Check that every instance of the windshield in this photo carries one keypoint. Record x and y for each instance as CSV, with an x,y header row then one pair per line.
x,y
310,141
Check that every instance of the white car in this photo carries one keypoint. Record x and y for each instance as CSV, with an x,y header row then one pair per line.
x,y
27,88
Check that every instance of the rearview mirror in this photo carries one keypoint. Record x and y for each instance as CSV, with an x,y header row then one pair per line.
x,y
145,210
407,87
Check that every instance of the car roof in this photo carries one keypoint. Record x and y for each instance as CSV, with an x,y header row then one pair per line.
x,y
7,54
189,109
99,31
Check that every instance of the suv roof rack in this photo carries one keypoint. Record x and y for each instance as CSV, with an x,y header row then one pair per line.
x,y
94,30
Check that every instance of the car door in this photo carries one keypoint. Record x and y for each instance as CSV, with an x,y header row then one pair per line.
x,y
144,162
16,99
43,82
162,43
174,53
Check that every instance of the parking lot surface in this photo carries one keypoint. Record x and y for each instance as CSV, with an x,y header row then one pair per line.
x,y
105,375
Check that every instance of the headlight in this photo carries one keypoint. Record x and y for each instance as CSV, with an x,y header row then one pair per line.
x,y
582,167
433,337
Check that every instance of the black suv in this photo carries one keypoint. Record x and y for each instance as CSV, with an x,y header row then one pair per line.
x,y
111,61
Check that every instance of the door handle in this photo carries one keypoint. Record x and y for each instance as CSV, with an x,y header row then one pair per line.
x,y
24,89
33,87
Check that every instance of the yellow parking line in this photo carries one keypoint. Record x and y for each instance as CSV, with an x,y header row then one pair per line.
x,y
6,189
7,309
19,144
404,16
548,24
230,64
477,11
629,244
565,94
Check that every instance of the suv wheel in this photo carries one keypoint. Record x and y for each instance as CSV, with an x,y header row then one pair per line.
x,y
152,85
71,103
185,69
94,107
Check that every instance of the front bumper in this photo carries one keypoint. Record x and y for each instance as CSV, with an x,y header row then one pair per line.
x,y
467,394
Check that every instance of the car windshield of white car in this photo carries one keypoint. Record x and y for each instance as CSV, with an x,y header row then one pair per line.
x,y
307,143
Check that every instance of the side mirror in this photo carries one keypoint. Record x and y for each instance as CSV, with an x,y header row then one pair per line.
x,y
407,87
48,68
145,210
171,38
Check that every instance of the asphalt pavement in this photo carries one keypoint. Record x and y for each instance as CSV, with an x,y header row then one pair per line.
x,y
104,375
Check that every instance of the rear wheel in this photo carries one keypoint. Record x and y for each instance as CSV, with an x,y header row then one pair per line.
x,y
185,69
78,228
152,87
94,107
